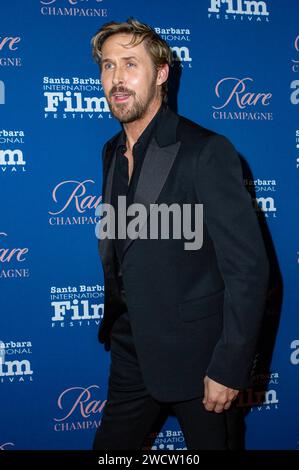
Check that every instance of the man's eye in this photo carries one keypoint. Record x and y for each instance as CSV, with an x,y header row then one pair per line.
x,y
130,64
108,66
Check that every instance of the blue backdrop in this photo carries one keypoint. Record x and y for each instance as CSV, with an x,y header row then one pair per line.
x,y
239,64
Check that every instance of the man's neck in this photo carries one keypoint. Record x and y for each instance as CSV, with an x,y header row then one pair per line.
x,y
134,129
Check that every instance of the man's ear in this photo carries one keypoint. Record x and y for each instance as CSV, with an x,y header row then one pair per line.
x,y
163,72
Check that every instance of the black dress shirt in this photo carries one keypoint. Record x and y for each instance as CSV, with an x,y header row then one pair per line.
x,y
121,185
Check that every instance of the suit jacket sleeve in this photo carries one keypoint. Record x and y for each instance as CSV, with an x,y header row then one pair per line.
x,y
232,224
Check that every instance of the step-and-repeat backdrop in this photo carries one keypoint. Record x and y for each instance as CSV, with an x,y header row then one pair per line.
x,y
239,75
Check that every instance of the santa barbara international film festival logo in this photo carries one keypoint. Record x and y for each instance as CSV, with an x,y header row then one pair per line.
x,y
73,306
15,364
74,98
12,259
238,10
74,203
80,408
181,52
263,192
262,397
238,99
73,8
12,157
167,439
9,51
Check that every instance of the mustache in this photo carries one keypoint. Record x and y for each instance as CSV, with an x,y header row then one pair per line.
x,y
120,89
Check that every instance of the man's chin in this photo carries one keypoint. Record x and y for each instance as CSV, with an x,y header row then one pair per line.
x,y
124,116
119,113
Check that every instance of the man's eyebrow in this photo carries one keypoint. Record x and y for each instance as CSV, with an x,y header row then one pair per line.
x,y
130,57
122,58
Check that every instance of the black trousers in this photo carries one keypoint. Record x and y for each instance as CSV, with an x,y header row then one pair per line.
x,y
130,411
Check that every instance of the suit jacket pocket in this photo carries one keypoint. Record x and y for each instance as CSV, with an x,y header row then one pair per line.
x,y
202,307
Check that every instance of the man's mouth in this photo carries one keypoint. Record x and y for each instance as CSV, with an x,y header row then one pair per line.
x,y
120,97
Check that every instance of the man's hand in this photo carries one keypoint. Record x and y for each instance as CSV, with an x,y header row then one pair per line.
x,y
217,397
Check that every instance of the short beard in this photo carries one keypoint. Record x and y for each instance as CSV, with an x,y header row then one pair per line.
x,y
137,111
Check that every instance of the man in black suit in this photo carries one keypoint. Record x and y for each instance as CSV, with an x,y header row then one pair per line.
x,y
182,325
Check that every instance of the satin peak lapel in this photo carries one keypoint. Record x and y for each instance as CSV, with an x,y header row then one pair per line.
x,y
157,164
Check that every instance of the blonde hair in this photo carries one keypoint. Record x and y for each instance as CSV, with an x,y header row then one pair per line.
x,y
157,48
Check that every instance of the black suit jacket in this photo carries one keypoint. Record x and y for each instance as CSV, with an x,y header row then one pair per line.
x,y
192,312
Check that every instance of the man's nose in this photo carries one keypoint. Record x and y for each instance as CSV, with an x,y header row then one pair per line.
x,y
118,76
